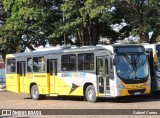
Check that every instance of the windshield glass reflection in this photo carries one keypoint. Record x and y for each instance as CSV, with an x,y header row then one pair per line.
x,y
131,66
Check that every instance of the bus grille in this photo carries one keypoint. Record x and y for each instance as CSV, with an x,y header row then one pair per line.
x,y
135,91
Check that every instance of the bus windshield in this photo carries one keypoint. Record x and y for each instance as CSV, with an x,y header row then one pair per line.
x,y
132,66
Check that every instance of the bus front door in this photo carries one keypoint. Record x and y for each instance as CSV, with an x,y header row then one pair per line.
x,y
52,64
22,75
103,75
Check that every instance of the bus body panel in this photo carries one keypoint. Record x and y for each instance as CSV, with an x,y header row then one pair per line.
x,y
29,77
135,89
152,53
71,83
13,82
42,82
128,89
157,80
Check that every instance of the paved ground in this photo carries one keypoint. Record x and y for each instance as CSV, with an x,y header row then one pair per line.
x,y
9,100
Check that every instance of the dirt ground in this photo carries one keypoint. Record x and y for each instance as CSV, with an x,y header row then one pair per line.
x,y
10,100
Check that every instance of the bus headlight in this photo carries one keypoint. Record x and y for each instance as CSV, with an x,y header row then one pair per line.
x,y
119,84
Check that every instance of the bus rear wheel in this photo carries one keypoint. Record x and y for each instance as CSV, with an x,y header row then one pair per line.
x,y
35,93
90,94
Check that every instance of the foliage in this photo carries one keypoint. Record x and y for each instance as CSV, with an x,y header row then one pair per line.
x,y
142,15
24,23
86,20
33,19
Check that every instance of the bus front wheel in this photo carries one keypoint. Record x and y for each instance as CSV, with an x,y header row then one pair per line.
x,y
90,94
35,93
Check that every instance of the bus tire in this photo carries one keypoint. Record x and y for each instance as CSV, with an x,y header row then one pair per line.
x,y
35,93
90,94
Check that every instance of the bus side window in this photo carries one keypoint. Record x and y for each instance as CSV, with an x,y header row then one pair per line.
x,y
86,61
35,69
68,62
29,69
11,65
29,64
38,64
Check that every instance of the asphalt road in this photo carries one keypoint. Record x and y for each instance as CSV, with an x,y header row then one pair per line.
x,y
10,100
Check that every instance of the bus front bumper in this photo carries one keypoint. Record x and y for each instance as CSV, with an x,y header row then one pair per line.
x,y
128,92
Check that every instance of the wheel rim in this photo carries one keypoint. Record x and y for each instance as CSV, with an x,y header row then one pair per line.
x,y
91,94
34,93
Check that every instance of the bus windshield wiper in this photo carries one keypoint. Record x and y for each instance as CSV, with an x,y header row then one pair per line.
x,y
133,62
129,60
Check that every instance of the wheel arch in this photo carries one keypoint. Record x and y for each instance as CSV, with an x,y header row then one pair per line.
x,y
33,83
85,86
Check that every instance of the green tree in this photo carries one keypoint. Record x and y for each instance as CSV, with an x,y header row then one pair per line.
x,y
28,23
143,16
4,49
24,23
37,17
86,20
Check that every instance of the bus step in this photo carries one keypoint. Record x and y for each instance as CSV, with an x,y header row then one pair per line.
x,y
53,94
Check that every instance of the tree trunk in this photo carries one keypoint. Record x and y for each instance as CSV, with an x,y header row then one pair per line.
x,y
79,37
88,34
3,56
82,36
95,33
154,37
144,37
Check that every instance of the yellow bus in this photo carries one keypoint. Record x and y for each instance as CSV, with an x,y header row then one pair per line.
x,y
89,71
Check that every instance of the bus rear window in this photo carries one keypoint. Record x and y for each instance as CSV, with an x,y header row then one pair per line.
x,y
11,66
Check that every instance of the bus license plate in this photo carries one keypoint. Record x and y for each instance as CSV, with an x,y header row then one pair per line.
x,y
137,93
